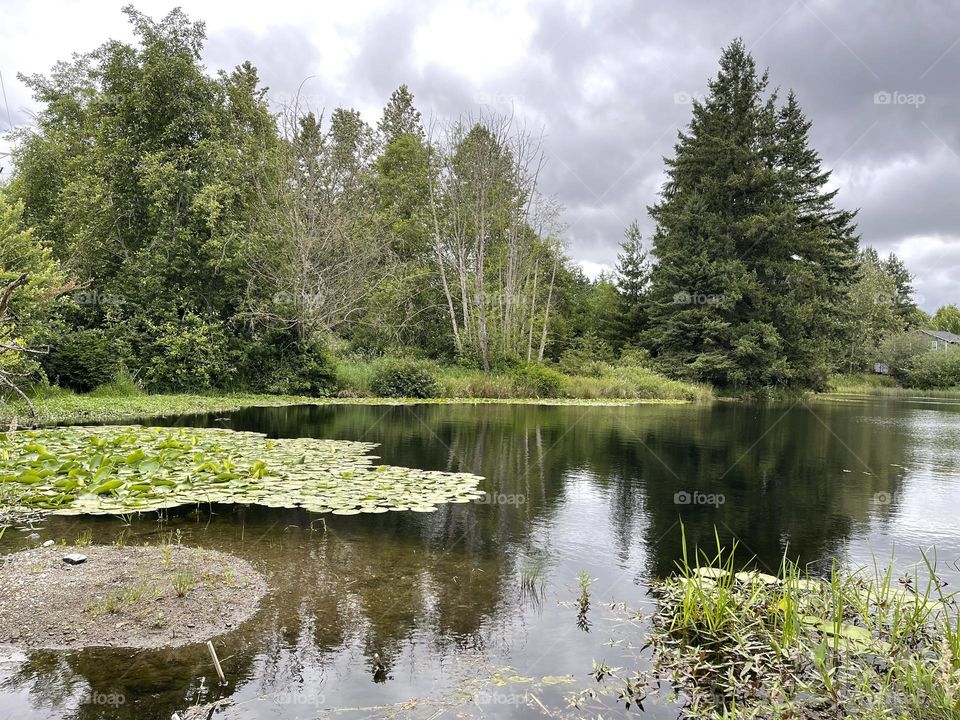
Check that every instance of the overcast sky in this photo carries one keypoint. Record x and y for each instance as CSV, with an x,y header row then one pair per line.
x,y
610,84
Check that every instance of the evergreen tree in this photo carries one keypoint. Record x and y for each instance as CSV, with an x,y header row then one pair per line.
x,y
632,282
754,261
903,300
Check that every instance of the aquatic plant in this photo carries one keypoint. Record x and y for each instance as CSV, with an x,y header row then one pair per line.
x,y
126,469
854,644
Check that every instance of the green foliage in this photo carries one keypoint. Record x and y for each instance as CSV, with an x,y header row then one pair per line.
x,y
875,314
190,355
935,369
404,378
139,175
21,252
538,381
900,351
947,318
586,355
83,359
754,261
279,364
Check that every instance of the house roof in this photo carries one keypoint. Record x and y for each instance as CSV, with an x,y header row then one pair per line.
x,y
942,335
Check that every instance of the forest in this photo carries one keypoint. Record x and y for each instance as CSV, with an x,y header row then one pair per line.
x,y
165,229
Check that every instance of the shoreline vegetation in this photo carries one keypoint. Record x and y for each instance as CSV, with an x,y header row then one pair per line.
x,y
861,643
361,383
457,385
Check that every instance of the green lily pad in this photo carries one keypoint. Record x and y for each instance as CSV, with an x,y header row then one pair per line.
x,y
122,469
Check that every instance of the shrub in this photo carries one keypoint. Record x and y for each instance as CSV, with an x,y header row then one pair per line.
x,y
900,351
191,355
586,355
280,365
935,369
404,378
82,360
537,381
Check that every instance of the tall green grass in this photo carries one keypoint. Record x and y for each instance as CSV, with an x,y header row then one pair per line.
x,y
611,383
863,644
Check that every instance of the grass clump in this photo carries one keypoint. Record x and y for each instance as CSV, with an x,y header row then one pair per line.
x,y
857,645
633,383
183,582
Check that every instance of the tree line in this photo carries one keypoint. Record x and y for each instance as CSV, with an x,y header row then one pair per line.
x,y
177,230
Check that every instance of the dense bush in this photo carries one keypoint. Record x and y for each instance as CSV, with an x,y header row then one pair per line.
x,y
280,365
586,356
935,369
404,378
82,360
537,381
900,351
191,355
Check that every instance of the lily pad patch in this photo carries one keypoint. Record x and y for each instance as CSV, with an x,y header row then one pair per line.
x,y
110,470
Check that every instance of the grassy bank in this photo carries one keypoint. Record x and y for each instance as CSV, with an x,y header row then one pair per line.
x,y
64,406
607,382
613,386
883,386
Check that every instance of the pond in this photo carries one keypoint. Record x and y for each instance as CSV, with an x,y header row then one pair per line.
x,y
477,600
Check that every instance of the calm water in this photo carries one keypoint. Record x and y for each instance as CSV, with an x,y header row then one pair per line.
x,y
442,598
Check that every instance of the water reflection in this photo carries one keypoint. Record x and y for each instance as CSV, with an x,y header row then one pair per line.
x,y
371,611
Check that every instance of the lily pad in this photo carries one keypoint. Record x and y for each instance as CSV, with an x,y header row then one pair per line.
x,y
130,468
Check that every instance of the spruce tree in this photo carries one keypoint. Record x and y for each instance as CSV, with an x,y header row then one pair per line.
x,y
754,260
632,282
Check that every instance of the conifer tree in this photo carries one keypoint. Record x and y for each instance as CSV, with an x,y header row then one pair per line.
x,y
633,281
754,261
